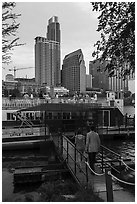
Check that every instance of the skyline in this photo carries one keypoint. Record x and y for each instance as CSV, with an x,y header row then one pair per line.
x,y
80,25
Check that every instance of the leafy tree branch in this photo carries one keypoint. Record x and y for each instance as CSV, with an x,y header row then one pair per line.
x,y
117,43
9,30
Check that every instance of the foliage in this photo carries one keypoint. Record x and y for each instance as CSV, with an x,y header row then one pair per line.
x,y
117,31
9,30
87,195
53,192
127,94
128,100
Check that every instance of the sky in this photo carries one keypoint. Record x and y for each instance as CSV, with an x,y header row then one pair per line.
x,y
78,31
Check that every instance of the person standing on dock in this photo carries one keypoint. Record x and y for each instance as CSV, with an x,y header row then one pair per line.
x,y
80,145
92,146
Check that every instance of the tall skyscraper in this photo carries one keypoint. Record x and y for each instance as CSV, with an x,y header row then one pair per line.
x,y
74,72
53,29
47,55
47,62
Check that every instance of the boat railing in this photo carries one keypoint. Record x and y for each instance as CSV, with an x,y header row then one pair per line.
x,y
20,103
6,103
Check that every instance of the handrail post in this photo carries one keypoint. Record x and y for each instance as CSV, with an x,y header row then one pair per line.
x,y
109,189
58,142
102,156
120,163
75,157
61,144
67,151
86,171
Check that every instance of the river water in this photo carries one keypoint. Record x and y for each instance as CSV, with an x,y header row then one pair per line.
x,y
126,148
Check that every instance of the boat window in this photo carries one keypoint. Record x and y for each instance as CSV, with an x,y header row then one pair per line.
x,y
41,115
49,115
59,116
55,115
32,116
90,116
13,117
37,115
27,115
73,115
66,116
8,116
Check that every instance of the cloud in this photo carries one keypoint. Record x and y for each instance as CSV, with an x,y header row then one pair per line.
x,y
87,8
23,56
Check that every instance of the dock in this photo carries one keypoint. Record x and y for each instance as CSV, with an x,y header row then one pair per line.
x,y
38,173
84,177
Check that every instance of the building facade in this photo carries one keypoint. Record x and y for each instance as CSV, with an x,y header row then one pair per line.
x,y
9,77
102,80
8,87
99,77
53,29
47,55
47,62
74,72
117,84
88,81
28,86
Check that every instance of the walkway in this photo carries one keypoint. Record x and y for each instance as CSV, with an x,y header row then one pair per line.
x,y
84,177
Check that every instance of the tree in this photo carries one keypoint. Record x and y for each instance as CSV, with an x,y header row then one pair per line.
x,y
9,29
117,29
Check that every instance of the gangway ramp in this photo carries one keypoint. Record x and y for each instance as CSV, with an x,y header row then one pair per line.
x,y
83,175
23,119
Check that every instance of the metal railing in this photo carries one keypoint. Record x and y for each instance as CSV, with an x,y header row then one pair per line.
x,y
70,154
21,103
68,151
117,130
108,156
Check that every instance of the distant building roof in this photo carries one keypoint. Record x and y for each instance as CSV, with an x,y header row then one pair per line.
x,y
25,79
79,51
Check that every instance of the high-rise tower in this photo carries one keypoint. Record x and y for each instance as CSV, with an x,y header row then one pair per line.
x,y
53,29
47,62
47,55
74,72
